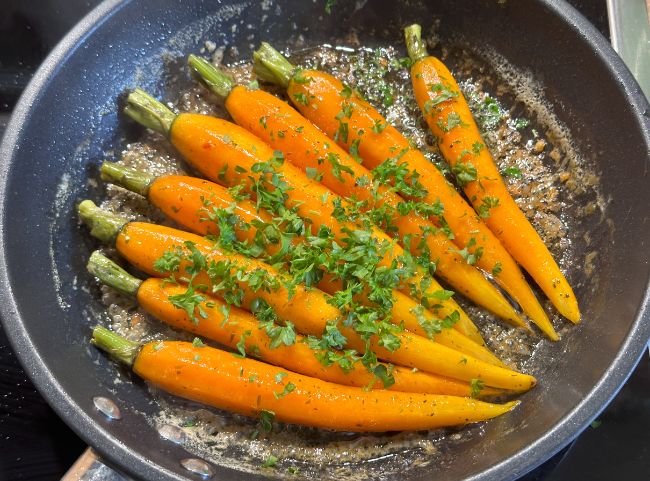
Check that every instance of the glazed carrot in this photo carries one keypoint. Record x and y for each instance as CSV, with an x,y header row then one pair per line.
x,y
230,326
184,200
305,146
448,115
219,379
228,154
351,121
143,244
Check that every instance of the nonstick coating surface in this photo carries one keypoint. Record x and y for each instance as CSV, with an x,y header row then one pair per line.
x,y
68,117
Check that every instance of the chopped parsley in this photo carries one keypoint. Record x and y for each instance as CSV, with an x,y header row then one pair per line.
x,y
471,257
521,123
443,93
299,78
288,388
465,172
329,5
270,462
476,386
453,121
241,344
496,270
512,172
301,98
487,203
379,126
346,92
337,167
265,422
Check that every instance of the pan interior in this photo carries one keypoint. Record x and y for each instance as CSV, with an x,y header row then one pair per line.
x,y
74,123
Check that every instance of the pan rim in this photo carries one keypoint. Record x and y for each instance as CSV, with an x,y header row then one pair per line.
x,y
117,454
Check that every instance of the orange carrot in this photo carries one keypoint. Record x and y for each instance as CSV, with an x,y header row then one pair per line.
x,y
239,330
250,387
228,154
448,115
184,200
305,146
351,121
230,275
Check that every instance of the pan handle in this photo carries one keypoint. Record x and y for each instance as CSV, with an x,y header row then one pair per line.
x,y
90,468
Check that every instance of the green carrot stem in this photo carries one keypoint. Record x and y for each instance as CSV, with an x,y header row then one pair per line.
x,y
109,273
146,110
131,179
215,80
118,347
271,66
103,225
417,49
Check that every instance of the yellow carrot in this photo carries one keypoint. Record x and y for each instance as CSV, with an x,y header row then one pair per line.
x,y
239,330
190,202
448,115
216,378
351,121
305,146
228,154
249,282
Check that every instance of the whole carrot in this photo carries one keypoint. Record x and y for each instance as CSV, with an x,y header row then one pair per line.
x,y
248,282
305,146
357,126
250,387
233,157
239,330
448,115
190,201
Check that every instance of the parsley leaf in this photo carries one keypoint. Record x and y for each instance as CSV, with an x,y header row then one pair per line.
x,y
270,462
379,126
329,5
465,173
476,386
453,121
512,172
301,98
443,93
487,203
496,270
337,166
288,388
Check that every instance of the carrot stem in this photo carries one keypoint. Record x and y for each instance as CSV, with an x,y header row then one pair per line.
x,y
214,79
103,225
118,347
417,49
109,273
146,110
131,179
271,66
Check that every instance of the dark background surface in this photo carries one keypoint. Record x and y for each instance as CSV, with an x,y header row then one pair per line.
x,y
36,445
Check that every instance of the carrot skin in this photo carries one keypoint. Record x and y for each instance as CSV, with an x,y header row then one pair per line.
x,y
142,244
310,148
327,99
506,220
215,147
218,379
153,297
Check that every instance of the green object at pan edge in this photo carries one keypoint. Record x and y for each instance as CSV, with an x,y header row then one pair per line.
x,y
629,26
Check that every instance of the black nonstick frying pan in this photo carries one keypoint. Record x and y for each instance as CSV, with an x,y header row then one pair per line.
x,y
68,118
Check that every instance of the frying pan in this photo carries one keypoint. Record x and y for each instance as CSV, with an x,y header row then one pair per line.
x,y
68,120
